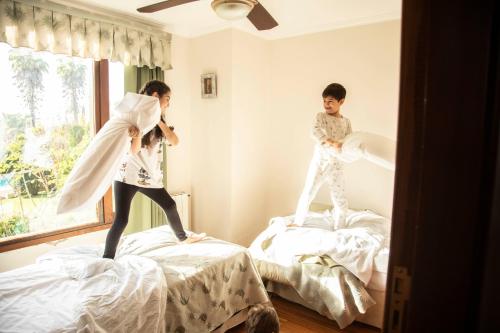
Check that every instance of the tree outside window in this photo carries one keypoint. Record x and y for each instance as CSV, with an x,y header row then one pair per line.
x,y
46,122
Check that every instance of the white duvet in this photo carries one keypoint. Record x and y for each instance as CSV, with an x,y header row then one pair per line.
x,y
353,247
94,171
74,290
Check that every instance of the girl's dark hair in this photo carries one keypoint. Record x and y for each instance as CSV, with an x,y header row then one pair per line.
x,y
262,319
335,90
159,87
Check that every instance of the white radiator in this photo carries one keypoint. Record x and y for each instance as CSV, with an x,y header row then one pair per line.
x,y
182,201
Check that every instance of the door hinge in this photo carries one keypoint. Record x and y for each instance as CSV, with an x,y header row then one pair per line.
x,y
400,295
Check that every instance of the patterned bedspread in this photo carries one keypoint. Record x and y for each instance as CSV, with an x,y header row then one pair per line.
x,y
208,281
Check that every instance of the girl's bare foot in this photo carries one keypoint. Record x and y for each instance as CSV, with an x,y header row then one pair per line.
x,y
194,237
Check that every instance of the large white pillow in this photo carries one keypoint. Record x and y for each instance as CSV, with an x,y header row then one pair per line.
x,y
96,168
372,147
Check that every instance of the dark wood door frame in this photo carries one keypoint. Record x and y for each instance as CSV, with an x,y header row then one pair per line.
x,y
446,212
488,317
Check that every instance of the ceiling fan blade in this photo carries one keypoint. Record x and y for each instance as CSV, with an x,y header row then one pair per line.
x,y
261,18
163,5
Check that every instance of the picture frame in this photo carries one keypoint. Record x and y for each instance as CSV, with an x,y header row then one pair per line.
x,y
208,85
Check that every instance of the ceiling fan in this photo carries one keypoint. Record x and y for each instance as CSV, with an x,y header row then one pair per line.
x,y
226,9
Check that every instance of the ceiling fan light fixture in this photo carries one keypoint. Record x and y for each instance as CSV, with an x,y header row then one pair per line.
x,y
233,9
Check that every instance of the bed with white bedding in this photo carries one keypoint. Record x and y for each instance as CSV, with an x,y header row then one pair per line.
x,y
153,285
328,271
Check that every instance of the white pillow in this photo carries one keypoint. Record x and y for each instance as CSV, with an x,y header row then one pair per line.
x,y
372,147
96,168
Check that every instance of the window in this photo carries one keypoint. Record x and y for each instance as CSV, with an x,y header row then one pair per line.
x,y
51,109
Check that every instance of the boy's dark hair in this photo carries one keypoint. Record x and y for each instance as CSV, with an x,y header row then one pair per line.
x,y
262,319
335,90
159,87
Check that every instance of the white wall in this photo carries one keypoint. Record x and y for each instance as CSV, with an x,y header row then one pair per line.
x,y
179,115
250,110
211,134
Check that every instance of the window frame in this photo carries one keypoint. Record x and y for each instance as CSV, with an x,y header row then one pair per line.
x,y
104,208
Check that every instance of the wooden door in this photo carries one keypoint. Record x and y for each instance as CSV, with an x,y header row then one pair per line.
x,y
445,231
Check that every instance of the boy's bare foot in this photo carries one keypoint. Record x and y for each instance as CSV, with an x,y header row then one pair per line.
x,y
194,237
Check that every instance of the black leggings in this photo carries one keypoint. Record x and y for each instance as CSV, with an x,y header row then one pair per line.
x,y
124,193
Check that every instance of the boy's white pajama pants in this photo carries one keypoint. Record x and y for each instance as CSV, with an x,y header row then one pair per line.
x,y
324,168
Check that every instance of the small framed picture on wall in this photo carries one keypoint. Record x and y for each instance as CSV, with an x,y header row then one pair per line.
x,y
208,85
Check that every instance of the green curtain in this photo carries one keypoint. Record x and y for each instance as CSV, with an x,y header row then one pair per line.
x,y
144,213
136,77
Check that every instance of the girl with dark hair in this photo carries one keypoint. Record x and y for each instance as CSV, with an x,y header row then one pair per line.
x,y
141,171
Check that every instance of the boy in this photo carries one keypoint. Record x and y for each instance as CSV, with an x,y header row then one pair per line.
x,y
329,131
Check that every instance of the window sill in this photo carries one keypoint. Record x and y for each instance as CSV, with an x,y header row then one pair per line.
x,y
20,241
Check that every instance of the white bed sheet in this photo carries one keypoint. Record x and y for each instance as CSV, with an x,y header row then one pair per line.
x,y
353,247
53,295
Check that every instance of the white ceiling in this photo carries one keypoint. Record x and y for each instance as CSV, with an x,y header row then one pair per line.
x,y
295,17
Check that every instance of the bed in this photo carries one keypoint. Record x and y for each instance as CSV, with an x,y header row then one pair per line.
x,y
340,274
153,285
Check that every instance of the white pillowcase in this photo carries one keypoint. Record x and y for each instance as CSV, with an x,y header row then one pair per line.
x,y
372,147
94,171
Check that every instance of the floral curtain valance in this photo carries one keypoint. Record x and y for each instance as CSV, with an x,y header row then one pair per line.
x,y
26,25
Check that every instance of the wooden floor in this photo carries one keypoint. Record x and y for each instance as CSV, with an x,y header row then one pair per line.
x,y
295,318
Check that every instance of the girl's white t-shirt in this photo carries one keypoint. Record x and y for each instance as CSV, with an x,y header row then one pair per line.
x,y
143,169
